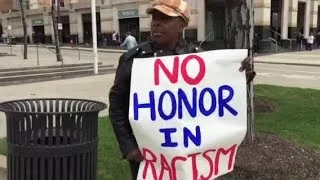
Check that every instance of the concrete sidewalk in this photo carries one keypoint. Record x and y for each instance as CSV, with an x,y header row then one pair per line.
x,y
47,57
81,48
304,58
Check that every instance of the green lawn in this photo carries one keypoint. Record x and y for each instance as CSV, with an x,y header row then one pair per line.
x,y
3,149
297,119
111,165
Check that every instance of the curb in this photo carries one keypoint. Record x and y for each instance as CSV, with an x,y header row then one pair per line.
x,y
49,67
289,63
3,167
55,78
76,48
89,49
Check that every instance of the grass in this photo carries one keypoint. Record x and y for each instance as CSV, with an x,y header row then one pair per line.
x,y
297,119
3,149
110,162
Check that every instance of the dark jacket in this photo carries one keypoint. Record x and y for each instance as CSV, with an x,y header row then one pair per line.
x,y
120,91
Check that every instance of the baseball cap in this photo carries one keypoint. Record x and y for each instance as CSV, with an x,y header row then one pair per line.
x,y
173,8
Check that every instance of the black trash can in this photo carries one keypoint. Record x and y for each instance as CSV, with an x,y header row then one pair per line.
x,y
52,139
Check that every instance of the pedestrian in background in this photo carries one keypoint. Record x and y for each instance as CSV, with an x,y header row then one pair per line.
x,y
3,37
310,41
299,41
114,38
130,41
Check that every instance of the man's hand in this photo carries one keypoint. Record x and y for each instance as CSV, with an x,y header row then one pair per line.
x,y
135,155
246,66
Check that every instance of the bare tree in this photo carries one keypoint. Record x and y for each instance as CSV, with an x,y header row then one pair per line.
x,y
55,30
239,35
25,36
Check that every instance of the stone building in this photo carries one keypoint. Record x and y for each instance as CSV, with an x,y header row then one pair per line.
x,y
280,20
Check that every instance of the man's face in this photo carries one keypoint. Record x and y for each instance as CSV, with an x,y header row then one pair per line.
x,y
165,28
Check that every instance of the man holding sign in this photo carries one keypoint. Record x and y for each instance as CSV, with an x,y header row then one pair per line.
x,y
180,104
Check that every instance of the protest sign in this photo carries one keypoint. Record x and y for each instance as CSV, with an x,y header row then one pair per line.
x,y
188,114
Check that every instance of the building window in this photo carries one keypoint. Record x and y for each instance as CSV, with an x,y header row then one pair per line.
x,y
215,20
27,5
61,3
191,35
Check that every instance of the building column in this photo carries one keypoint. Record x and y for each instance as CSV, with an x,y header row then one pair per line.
x,y
106,16
106,19
201,20
79,27
115,24
262,18
144,22
314,15
29,29
306,28
4,22
284,19
48,30
293,19
73,25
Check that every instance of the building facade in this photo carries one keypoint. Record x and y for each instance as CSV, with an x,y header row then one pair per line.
x,y
281,20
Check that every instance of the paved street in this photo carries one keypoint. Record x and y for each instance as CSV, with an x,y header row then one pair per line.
x,y
288,75
302,57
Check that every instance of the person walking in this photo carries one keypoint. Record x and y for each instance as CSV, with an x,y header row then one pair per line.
x,y
300,41
130,41
310,41
169,18
115,38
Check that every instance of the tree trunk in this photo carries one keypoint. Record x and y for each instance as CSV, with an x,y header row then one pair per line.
x,y
239,35
25,41
55,31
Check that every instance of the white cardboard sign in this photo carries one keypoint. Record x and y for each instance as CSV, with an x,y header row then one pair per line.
x,y
188,114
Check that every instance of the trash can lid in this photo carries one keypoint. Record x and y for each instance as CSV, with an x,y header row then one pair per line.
x,y
31,106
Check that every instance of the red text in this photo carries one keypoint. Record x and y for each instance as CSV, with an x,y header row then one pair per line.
x,y
169,167
173,75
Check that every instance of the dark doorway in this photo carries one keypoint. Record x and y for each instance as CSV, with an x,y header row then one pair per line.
x,y
318,24
215,20
276,18
65,33
38,34
1,31
301,15
87,27
129,24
